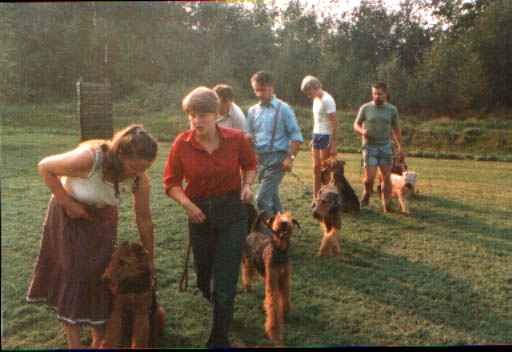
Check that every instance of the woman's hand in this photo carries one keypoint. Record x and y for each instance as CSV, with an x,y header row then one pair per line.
x,y
246,195
77,210
194,213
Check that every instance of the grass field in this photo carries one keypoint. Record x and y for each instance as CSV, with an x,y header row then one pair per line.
x,y
441,276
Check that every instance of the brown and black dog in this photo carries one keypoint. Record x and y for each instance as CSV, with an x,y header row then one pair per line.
x,y
136,319
268,255
334,197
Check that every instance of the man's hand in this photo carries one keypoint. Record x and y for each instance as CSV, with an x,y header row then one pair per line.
x,y
332,149
287,164
401,153
364,132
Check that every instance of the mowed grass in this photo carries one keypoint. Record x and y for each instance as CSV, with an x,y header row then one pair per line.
x,y
440,276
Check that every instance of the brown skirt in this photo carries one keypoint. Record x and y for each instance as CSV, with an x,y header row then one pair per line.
x,y
73,256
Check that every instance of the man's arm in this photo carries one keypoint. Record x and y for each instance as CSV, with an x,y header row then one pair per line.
x,y
293,150
358,124
397,135
295,137
332,142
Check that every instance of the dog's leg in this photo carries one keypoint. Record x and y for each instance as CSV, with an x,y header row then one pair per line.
x,y
402,198
272,327
247,273
324,244
98,336
140,327
114,326
335,241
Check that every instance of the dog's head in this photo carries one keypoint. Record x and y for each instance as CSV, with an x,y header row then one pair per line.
x,y
129,269
410,179
399,165
282,226
328,201
331,170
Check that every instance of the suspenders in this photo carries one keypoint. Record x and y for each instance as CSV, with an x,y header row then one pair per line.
x,y
274,126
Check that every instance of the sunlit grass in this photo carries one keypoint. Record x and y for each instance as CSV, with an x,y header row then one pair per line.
x,y
439,276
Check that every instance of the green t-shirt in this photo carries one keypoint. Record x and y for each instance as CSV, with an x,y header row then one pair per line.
x,y
379,121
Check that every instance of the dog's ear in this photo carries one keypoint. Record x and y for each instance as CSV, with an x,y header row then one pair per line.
x,y
325,176
269,221
296,223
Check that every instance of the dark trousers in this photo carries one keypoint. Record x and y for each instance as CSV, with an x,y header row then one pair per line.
x,y
217,249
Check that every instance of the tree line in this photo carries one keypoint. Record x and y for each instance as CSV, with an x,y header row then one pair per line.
x,y
461,61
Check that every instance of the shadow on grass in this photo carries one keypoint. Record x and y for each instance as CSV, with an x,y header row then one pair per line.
x,y
465,227
450,204
302,322
413,288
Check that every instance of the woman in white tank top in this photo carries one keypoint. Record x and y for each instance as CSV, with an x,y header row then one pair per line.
x,y
80,227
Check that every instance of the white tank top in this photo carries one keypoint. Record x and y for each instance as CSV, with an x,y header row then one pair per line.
x,y
93,189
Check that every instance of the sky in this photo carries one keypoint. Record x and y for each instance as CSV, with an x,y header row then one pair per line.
x,y
330,6
342,5
338,7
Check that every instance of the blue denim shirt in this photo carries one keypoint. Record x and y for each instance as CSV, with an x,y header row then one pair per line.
x,y
260,121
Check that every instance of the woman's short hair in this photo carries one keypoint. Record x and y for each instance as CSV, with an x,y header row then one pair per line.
x,y
201,100
224,91
310,82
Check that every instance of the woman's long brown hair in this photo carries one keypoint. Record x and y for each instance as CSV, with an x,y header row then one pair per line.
x,y
132,142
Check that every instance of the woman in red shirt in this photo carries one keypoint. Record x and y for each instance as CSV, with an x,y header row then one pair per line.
x,y
209,158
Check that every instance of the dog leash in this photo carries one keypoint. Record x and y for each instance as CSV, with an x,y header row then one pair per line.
x,y
183,285
307,192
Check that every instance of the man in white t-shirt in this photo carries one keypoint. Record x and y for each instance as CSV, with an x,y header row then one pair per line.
x,y
323,142
230,114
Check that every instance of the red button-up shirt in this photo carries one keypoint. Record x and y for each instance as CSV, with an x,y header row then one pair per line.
x,y
208,174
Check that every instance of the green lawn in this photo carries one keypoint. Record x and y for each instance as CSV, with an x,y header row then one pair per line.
x,y
438,277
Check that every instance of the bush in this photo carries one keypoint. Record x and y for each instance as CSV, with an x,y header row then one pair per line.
x,y
158,96
470,134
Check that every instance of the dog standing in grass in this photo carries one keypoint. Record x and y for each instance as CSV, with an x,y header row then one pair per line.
x,y
403,183
335,196
268,255
403,187
136,318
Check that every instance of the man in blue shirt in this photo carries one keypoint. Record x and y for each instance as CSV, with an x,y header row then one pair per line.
x,y
276,138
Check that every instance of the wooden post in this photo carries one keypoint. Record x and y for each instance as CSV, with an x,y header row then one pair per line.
x,y
95,110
